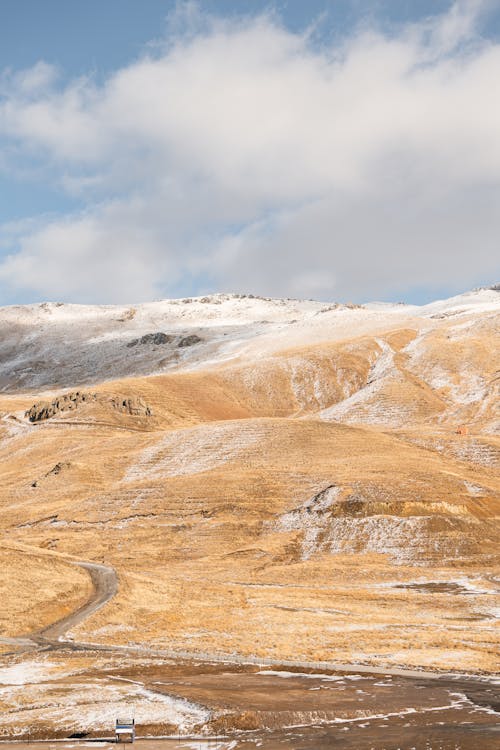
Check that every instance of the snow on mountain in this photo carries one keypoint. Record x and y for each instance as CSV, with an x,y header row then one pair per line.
x,y
53,345
264,476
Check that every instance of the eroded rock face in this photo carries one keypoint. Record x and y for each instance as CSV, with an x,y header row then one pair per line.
x,y
68,401
133,405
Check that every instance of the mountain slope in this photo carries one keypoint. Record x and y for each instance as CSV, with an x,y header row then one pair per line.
x,y
268,477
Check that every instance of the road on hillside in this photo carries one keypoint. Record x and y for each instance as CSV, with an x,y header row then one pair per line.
x,y
105,583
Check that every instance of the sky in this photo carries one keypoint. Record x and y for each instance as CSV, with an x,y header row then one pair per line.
x,y
331,149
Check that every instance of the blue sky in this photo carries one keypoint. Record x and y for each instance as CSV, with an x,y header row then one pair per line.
x,y
321,161
103,36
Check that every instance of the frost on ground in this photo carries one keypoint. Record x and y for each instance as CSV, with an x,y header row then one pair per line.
x,y
307,675
193,450
49,343
28,672
361,519
470,449
405,539
311,519
477,452
373,404
94,705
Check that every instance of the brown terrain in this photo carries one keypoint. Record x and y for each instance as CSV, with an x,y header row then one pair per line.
x,y
267,482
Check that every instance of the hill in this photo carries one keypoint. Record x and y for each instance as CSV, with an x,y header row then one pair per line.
x,y
268,478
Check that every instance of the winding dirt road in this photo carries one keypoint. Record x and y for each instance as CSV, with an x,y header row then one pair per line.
x,y
105,586
105,583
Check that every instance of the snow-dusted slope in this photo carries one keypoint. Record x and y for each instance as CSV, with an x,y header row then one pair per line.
x,y
269,478
476,301
54,345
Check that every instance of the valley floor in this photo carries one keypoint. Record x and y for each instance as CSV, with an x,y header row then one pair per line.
x,y
245,707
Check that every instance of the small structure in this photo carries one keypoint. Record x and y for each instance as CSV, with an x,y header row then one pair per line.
x,y
462,430
125,730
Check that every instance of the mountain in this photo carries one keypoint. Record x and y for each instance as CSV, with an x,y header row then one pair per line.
x,y
269,478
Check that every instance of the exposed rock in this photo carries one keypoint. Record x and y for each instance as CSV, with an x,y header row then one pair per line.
x,y
49,544
47,409
60,466
57,469
329,308
157,339
132,405
190,340
43,410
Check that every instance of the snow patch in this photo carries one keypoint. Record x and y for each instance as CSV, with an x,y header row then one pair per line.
x,y
26,673
95,705
370,405
307,675
311,519
475,489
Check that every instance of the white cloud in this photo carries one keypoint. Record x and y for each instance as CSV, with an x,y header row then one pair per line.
x,y
241,157
40,78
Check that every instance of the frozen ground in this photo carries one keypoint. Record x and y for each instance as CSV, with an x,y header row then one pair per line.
x,y
284,708
55,345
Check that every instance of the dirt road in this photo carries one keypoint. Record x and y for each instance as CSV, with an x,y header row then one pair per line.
x,y
105,582
105,585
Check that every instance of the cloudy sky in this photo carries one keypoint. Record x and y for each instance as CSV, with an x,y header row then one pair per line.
x,y
332,149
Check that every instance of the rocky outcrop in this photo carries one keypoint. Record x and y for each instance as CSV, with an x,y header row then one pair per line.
x,y
132,405
157,339
190,340
135,406
58,468
67,402
160,339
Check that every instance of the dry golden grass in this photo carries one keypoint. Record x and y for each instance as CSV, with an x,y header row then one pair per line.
x,y
37,589
207,509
